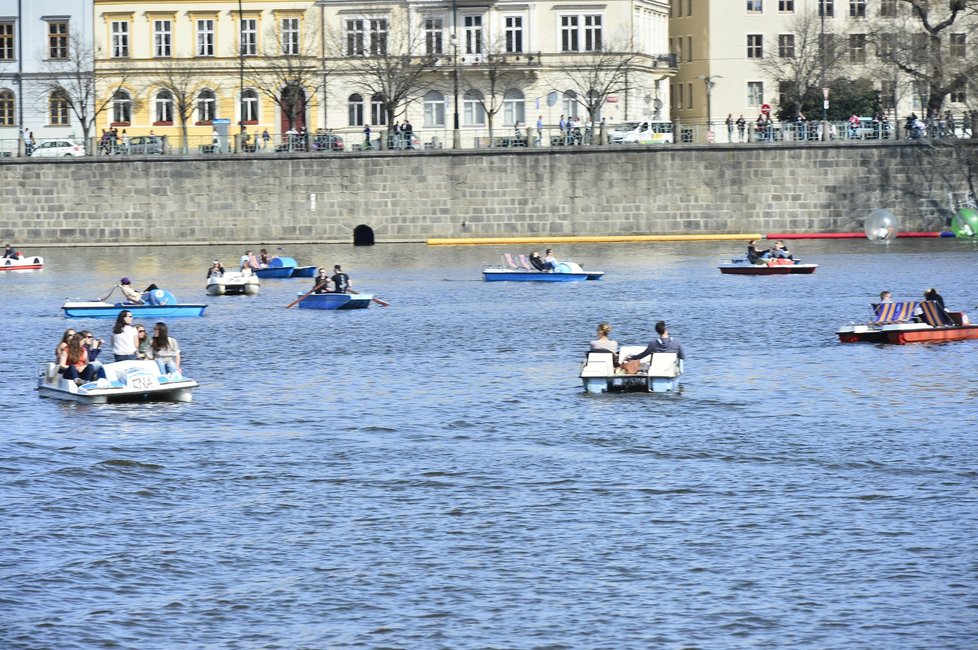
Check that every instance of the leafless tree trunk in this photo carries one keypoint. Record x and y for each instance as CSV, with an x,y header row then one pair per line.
x,y
183,79
593,76
289,73
491,78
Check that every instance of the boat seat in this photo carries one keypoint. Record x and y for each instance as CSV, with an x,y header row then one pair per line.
x,y
509,261
525,263
598,364
894,312
934,315
664,364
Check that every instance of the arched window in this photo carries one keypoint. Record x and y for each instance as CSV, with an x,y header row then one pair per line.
x,y
513,110
434,109
249,106
474,114
377,111
6,108
164,107
121,107
354,105
206,106
570,104
58,108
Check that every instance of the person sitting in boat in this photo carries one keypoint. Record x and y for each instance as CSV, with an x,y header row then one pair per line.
x,y
74,363
62,344
245,269
216,270
93,346
885,296
756,256
132,296
9,252
604,344
537,262
125,341
931,294
341,281
164,350
549,261
662,343
250,259
323,283
264,259
780,252
143,340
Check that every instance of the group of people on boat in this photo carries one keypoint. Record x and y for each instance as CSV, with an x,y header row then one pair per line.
x,y
546,263
132,297
630,364
339,282
777,252
252,263
886,297
77,354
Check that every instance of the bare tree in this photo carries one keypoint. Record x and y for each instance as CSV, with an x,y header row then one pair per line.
x,y
806,60
183,79
73,80
597,74
490,78
289,73
390,61
926,41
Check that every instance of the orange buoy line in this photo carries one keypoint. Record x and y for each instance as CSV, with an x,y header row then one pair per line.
x,y
850,235
585,239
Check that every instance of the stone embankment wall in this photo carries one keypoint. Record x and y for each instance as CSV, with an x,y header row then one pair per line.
x,y
414,196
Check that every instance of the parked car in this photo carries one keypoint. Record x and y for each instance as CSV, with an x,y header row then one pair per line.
x,y
145,144
643,132
327,142
57,149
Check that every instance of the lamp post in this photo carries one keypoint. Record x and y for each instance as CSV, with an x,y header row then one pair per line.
x,y
708,81
456,134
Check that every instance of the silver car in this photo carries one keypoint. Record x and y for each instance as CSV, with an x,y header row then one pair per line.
x,y
57,149
145,144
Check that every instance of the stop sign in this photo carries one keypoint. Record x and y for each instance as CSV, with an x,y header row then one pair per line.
x,y
766,109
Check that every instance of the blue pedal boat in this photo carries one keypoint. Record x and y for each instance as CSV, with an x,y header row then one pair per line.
x,y
285,267
160,303
566,272
336,301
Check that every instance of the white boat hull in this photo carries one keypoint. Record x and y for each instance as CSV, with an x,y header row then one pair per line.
x,y
234,284
125,381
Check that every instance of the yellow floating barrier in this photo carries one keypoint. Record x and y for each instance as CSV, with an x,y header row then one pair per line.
x,y
586,239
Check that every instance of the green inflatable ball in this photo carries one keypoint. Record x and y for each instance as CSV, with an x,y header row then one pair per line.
x,y
965,223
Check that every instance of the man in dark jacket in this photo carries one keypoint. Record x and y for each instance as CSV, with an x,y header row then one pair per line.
x,y
662,343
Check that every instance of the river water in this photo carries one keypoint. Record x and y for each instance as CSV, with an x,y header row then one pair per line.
x,y
430,475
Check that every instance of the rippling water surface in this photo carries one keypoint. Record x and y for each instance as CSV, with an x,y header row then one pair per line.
x,y
430,475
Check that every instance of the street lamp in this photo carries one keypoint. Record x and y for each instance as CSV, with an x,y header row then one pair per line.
x,y
456,134
708,80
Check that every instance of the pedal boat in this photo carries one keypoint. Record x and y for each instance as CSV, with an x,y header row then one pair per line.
x,y
566,272
770,267
159,303
891,325
233,284
125,381
285,267
336,301
658,372
21,263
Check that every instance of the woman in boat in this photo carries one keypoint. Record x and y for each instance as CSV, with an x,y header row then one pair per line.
x,y
125,341
62,344
604,344
264,259
755,256
245,268
537,261
74,363
164,350
931,294
144,341
549,261
216,270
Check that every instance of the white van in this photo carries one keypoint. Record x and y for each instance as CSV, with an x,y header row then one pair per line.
x,y
643,132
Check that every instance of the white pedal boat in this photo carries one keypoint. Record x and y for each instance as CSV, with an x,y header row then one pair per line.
x,y
233,284
125,381
21,263
658,372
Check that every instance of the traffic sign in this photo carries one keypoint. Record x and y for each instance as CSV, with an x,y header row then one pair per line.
x,y
766,109
710,136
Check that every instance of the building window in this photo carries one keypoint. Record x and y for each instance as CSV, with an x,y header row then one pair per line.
x,y
689,94
433,34
755,6
378,112
570,104
6,108
592,33
290,36
249,37
474,114
826,8
162,37
434,109
888,8
857,48
472,25
58,40
568,34
755,46
784,88
378,36
6,41
755,93
120,39
164,107
121,107
887,46
679,97
513,108
354,110
679,49
857,8
585,30
786,6
958,95
205,37
58,109
249,106
206,106
957,45
920,47
888,94
514,33
786,46
355,37
689,49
